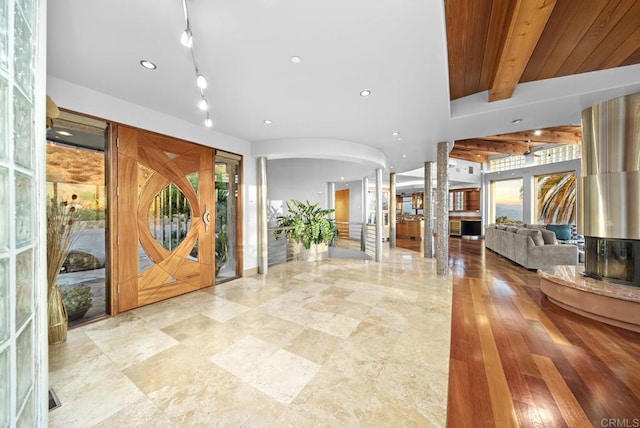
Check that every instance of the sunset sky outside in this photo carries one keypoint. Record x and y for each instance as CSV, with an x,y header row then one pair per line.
x,y
508,192
507,200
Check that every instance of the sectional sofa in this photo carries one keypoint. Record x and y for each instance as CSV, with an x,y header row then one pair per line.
x,y
533,247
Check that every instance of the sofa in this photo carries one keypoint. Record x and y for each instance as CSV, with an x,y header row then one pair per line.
x,y
533,247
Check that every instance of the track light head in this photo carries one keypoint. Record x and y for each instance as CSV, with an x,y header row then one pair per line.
x,y
203,104
201,81
187,37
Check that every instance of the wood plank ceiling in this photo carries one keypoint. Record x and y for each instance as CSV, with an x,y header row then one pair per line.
x,y
495,44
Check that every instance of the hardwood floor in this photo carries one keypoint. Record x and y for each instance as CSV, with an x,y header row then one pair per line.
x,y
519,360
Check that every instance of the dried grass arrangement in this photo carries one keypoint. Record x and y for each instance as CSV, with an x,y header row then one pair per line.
x,y
61,224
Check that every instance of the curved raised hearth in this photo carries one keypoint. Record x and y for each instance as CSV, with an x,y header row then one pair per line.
x,y
610,303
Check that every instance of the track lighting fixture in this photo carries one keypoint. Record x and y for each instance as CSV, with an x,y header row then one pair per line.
x,y
187,40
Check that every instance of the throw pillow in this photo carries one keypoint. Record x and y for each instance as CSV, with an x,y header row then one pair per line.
x,y
533,233
548,236
562,231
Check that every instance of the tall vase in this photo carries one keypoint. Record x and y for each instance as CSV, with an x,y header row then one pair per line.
x,y
58,321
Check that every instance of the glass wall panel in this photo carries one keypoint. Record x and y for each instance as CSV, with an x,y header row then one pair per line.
x,y
4,300
75,165
25,364
22,394
4,141
4,388
24,209
4,34
4,209
23,54
507,201
24,286
28,415
22,130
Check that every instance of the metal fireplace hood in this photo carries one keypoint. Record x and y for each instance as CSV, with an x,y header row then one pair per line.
x,y
609,189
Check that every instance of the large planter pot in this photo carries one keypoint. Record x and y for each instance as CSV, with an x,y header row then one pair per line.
x,y
296,251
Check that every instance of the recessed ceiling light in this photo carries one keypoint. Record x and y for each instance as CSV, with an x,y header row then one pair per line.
x,y
148,64
65,133
341,178
404,156
514,121
537,132
365,93
296,59
395,134
268,122
391,167
399,138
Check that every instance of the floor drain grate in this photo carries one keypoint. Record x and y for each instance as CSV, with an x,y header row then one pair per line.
x,y
53,400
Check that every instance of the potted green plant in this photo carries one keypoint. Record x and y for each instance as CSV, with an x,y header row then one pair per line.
x,y
77,300
308,228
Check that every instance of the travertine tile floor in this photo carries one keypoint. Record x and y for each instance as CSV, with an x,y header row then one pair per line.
x,y
332,343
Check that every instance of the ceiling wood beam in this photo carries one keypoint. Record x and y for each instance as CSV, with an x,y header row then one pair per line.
x,y
469,156
556,137
525,28
507,147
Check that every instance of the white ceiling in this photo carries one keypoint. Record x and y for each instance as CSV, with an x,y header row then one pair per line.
x,y
396,49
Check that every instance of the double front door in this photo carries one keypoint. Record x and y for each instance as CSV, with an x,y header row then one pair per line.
x,y
165,210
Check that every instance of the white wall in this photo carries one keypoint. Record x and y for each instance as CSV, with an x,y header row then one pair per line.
x,y
85,100
356,210
465,173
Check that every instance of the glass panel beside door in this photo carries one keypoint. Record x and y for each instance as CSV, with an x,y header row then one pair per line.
x,y
76,178
227,176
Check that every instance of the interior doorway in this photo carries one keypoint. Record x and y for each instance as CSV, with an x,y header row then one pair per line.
x,y
342,212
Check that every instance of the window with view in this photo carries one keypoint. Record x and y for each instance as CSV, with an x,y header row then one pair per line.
x,y
555,199
507,201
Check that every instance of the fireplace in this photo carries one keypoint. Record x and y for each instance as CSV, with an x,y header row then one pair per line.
x,y
614,260
609,217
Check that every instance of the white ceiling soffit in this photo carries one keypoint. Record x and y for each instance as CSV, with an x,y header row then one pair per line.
x,y
320,148
395,49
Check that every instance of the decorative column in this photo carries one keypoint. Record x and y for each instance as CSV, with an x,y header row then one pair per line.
x,y
392,210
331,198
263,255
428,211
365,213
379,214
442,211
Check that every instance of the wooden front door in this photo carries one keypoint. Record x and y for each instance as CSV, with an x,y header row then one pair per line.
x,y
164,217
